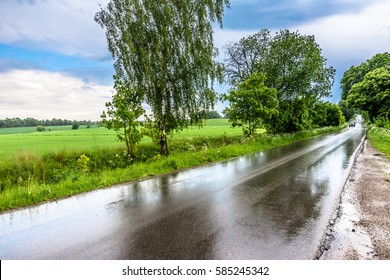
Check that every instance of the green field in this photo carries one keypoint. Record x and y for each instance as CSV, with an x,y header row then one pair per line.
x,y
60,138
24,130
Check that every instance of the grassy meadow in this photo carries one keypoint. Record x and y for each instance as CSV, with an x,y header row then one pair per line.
x,y
14,141
42,166
29,140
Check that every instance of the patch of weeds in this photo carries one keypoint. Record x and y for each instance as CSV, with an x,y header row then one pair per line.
x,y
156,157
171,163
2,186
83,162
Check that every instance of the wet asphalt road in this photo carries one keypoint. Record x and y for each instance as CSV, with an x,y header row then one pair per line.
x,y
270,205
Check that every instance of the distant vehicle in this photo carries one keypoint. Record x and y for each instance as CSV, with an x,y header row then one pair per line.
x,y
352,124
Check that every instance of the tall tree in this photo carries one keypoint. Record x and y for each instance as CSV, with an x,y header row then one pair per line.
x,y
296,67
293,65
246,56
356,74
372,94
164,49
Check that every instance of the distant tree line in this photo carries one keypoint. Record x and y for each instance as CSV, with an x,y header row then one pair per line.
x,y
30,122
206,115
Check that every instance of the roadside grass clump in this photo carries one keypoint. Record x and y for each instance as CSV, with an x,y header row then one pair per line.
x,y
31,178
380,139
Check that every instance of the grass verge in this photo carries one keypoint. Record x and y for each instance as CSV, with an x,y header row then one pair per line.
x,y
34,178
380,139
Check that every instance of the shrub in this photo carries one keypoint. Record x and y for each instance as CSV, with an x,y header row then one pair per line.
x,y
75,125
82,163
40,128
383,122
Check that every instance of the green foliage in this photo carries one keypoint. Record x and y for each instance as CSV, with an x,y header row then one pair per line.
x,y
294,116
40,128
247,56
83,163
348,113
372,94
252,105
123,115
297,68
165,51
327,114
209,115
380,139
334,115
293,65
355,75
75,125
383,122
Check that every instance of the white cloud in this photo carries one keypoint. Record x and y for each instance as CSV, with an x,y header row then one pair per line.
x,y
64,26
353,37
41,94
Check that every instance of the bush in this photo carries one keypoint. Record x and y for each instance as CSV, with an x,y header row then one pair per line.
x,y
75,125
40,128
383,122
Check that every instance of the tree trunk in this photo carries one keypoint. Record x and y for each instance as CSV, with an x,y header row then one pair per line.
x,y
164,151
127,141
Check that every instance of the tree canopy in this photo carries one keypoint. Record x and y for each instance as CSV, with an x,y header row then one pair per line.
x,y
328,114
252,105
292,64
356,74
165,51
372,94
123,115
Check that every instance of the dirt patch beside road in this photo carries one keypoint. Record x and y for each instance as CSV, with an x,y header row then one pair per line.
x,y
361,227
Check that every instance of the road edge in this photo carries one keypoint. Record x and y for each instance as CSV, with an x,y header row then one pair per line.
x,y
328,237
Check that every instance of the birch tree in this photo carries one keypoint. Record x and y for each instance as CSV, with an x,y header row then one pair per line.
x,y
164,49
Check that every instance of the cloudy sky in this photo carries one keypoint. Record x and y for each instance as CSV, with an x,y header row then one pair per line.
x,y
54,61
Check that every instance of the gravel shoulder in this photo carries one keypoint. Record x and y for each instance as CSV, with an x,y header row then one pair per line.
x,y
360,229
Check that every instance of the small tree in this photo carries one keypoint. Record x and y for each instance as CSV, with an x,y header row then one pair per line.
x,y
75,125
123,115
40,128
252,104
